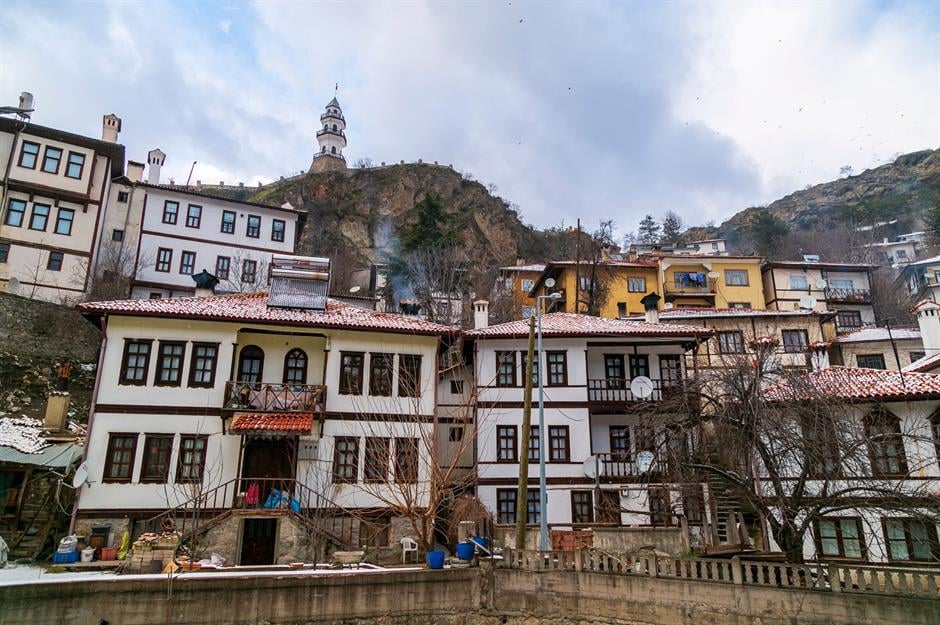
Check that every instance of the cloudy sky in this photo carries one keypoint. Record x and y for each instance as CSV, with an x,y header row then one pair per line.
x,y
590,110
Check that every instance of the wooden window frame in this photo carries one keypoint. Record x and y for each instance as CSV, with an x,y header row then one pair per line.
x,y
932,539
251,225
881,357
55,260
856,316
556,434
551,375
789,348
274,230
632,290
533,499
839,538
184,438
727,334
409,375
220,273
605,512
145,463
352,453
506,433
249,270
611,363
693,498
633,365
123,380
59,220
505,498
191,219
160,367
345,387
377,462
23,153
534,443
505,358
160,263
106,477
745,272
896,438
223,223
407,460
45,218
524,365
620,433
576,518
174,214
68,165
193,368
183,266
45,159
295,351
19,211
381,364
666,513
117,234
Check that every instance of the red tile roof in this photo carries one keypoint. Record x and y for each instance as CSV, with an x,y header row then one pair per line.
x,y
570,324
253,307
294,422
850,383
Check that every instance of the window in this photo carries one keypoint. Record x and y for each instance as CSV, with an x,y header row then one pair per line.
x,y
75,165
169,364
798,282
135,362
455,434
277,230
506,505
380,374
842,283
558,443
350,375
821,448
505,368
122,197
40,217
582,506
375,469
193,216
192,460
739,305
406,460
910,540
619,443
187,263
886,446
251,364
557,365
621,310
639,365
29,153
409,375
156,295
295,367
524,359
848,320
63,221
614,371
51,160
670,370
586,284
915,356
202,365
4,252
156,461
16,210
840,537
636,285
346,460
736,277
731,342
222,266
506,443
535,443
55,261
249,271
871,361
527,284
608,506
533,506
170,211
117,235
228,222
119,464
795,341
693,504
456,387
253,231
164,259
660,507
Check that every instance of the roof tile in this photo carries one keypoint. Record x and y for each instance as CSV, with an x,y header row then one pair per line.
x,y
298,422
852,383
569,324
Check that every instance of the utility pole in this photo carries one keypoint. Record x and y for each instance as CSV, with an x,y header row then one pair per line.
x,y
577,271
522,492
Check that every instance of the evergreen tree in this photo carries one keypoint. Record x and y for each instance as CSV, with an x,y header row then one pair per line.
x,y
932,219
672,226
766,231
433,228
648,230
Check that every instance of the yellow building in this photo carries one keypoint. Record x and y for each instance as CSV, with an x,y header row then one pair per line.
x,y
516,281
611,289
711,281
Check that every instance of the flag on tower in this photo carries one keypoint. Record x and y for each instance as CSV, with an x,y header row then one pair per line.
x,y
337,87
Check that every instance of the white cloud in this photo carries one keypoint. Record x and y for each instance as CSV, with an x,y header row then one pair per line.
x,y
225,26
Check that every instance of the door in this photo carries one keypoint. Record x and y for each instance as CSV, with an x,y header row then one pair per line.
x,y
269,458
259,539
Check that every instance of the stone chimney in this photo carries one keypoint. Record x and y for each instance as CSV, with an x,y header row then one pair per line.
x,y
57,404
205,283
110,127
155,159
481,314
928,318
651,307
135,171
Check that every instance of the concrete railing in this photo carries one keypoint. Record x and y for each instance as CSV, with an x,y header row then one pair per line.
x,y
828,577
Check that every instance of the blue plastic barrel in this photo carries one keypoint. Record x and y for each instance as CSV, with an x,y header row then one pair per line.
x,y
481,540
465,551
435,559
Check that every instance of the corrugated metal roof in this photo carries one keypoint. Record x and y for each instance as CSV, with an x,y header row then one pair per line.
x,y
56,456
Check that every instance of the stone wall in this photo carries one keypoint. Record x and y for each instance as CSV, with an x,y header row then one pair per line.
x,y
629,540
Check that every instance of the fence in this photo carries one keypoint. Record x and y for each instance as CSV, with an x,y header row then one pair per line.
x,y
827,577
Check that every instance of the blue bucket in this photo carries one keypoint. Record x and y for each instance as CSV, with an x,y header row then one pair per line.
x,y
480,540
465,551
435,559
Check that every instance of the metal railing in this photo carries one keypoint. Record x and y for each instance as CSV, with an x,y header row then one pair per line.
x,y
687,288
854,296
329,131
274,397
617,390
826,577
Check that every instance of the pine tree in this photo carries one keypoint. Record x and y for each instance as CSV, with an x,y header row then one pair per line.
x,y
648,230
672,226
932,219
766,231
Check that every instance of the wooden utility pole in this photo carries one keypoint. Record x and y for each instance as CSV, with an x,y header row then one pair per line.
x,y
522,492
577,272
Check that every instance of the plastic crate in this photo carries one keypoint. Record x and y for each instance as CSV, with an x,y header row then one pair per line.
x,y
65,557
109,553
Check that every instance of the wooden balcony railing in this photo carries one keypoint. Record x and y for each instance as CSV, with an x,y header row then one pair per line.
x,y
848,296
274,397
617,390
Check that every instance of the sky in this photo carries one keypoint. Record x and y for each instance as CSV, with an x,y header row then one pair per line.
x,y
585,110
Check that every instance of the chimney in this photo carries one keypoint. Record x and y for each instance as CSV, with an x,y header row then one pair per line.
x,y
205,283
57,404
481,314
110,127
928,318
651,307
155,159
135,171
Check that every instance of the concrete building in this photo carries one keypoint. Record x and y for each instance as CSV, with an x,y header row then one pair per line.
x,y
842,287
613,287
711,281
903,250
516,283
922,278
210,404
331,139
54,194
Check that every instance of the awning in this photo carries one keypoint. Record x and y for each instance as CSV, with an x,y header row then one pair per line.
x,y
290,423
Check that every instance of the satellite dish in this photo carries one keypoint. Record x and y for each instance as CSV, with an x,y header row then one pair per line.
x,y
644,460
550,282
355,289
821,284
594,467
669,306
641,386
13,286
81,475
808,302
713,275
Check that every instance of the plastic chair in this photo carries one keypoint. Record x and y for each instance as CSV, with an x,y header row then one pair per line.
x,y
408,544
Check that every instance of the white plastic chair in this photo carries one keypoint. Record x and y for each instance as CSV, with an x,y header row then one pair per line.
x,y
408,544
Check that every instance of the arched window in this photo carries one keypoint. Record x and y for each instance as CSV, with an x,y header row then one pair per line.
x,y
326,126
334,127
885,444
333,149
295,367
323,149
250,364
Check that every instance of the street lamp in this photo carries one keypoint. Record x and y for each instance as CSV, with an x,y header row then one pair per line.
x,y
543,491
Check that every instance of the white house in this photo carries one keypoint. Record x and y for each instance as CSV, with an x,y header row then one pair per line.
x,y
211,403
597,421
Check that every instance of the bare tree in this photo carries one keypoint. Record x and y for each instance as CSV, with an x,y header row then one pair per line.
x,y
594,274
247,273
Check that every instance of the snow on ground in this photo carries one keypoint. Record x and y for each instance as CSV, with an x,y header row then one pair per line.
x,y
31,573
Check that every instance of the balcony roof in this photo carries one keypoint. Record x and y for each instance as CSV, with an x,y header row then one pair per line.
x,y
272,422
802,264
571,325
857,384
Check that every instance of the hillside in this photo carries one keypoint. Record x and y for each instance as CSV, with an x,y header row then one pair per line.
x,y
897,191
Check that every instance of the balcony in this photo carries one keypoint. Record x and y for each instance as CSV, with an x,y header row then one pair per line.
x,y
330,154
848,296
274,397
328,131
616,391
680,289
327,116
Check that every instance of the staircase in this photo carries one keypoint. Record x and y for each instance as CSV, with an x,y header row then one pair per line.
x,y
726,504
39,522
